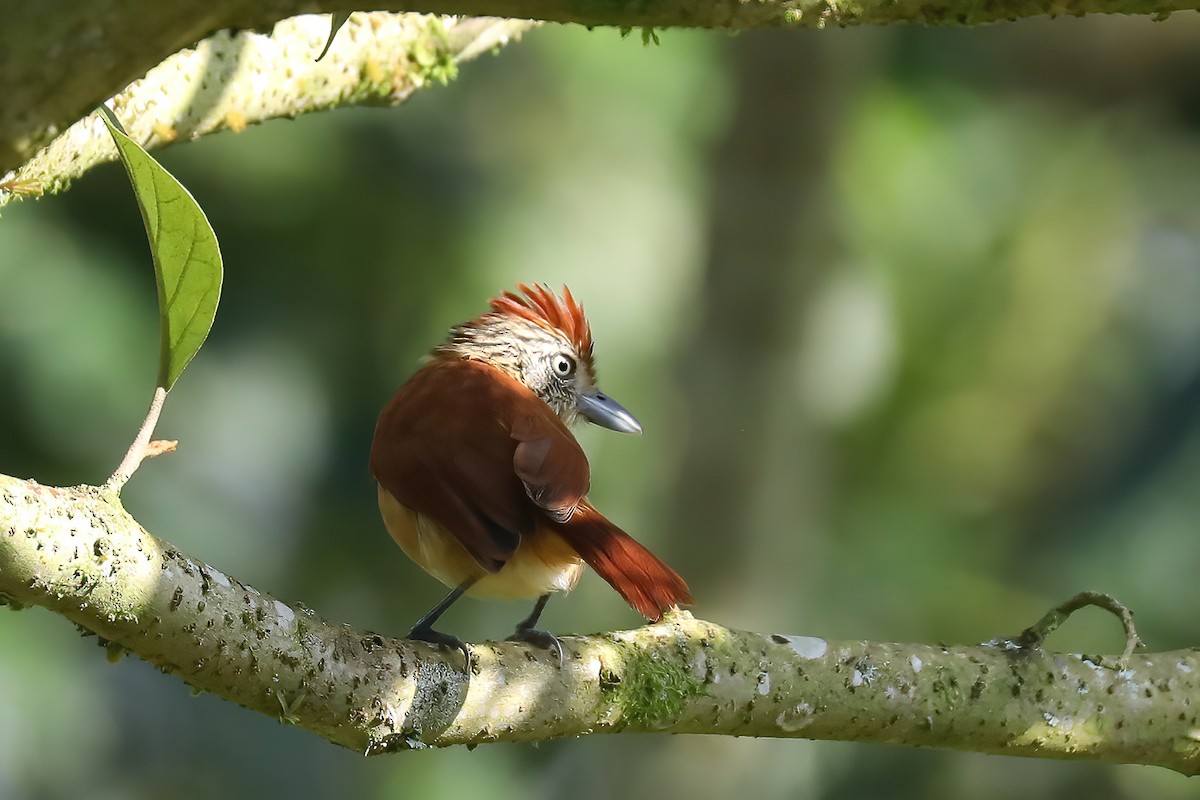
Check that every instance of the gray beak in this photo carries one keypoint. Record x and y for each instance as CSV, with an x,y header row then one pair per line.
x,y
602,410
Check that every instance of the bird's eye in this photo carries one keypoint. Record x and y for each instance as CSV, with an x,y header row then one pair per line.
x,y
564,365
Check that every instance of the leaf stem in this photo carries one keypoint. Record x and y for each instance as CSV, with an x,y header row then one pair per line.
x,y
137,451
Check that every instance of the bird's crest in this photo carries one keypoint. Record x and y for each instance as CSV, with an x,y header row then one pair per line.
x,y
541,306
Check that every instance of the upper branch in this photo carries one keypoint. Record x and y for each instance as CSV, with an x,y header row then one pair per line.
x,y
231,79
60,58
78,553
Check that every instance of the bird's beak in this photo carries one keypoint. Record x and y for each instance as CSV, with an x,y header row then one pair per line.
x,y
600,409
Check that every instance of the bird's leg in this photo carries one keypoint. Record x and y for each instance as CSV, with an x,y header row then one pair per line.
x,y
423,631
526,632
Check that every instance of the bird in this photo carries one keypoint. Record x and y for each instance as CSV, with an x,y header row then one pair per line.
x,y
483,485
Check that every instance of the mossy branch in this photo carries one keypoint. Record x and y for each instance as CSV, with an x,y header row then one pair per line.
x,y
77,552
112,43
237,78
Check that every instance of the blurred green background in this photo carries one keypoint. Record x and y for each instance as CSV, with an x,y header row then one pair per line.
x,y
910,318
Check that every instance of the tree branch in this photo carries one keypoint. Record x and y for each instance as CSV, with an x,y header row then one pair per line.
x,y
232,80
77,552
113,42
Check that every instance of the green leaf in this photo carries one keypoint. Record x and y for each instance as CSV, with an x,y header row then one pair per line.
x,y
187,260
338,19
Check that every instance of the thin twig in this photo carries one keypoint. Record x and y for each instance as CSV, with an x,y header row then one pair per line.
x,y
1035,635
139,450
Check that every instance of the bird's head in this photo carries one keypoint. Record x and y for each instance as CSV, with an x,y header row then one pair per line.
x,y
545,343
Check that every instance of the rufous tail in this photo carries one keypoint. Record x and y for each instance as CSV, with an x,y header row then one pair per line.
x,y
646,583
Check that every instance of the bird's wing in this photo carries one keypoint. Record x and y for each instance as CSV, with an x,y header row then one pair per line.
x,y
445,446
549,462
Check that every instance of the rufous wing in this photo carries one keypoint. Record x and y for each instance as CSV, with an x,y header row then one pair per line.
x,y
468,446
471,448
549,462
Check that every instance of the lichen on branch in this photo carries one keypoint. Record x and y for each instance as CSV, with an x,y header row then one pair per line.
x,y
113,42
233,79
77,552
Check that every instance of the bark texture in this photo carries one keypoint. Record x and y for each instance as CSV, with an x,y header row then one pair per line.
x,y
59,59
234,78
77,552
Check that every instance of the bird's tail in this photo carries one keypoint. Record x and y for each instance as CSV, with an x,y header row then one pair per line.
x,y
646,583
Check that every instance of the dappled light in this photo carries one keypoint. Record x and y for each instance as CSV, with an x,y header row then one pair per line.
x,y
908,316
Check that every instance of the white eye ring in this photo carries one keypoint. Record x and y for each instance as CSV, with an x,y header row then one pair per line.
x,y
564,365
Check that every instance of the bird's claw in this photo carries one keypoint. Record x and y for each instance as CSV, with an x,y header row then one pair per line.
x,y
424,633
538,638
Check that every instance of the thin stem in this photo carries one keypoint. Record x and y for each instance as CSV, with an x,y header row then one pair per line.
x,y
137,451
1035,635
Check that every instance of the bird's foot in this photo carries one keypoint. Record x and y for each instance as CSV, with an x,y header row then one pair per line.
x,y
424,633
538,638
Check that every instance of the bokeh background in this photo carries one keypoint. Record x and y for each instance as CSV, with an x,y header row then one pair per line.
x,y
910,318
